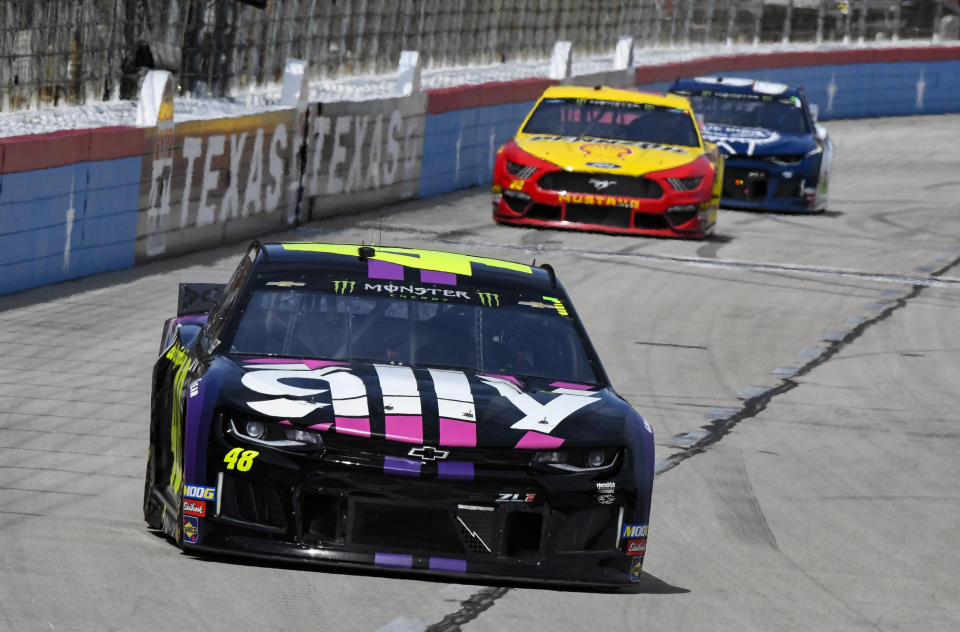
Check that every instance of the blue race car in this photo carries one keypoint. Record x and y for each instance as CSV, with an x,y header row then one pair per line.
x,y
776,156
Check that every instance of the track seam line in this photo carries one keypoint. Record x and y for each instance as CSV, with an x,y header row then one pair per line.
x,y
485,598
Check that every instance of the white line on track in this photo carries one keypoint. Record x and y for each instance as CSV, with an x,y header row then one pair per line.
x,y
726,264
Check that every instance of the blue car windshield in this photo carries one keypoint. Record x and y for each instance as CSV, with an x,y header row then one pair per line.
x,y
781,115
615,120
497,333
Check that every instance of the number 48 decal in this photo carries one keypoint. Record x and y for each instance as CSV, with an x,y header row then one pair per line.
x,y
240,458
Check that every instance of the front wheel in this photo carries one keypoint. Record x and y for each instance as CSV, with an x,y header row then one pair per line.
x,y
152,510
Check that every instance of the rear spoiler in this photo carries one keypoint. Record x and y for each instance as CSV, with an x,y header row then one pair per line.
x,y
198,298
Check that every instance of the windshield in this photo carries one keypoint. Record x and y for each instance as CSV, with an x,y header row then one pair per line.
x,y
617,120
782,115
498,333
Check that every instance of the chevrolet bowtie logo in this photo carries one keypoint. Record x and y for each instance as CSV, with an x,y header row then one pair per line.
x,y
599,184
428,453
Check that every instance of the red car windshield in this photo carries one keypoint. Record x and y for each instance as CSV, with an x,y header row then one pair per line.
x,y
616,120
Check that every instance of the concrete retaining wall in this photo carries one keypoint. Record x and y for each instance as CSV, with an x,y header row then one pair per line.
x,y
68,205
206,183
360,155
77,203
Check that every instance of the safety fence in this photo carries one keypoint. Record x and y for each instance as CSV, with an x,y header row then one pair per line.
x,y
80,202
55,52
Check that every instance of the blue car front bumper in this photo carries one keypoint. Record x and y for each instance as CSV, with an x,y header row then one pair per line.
x,y
761,185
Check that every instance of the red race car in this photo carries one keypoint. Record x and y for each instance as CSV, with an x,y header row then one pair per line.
x,y
616,161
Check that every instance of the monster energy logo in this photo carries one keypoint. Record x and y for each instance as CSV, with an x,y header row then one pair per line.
x,y
489,299
344,287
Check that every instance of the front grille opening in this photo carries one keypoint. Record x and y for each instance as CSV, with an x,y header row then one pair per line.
x,y
248,501
390,526
516,202
589,530
478,529
681,217
600,184
744,185
544,211
650,221
320,516
788,189
523,534
600,215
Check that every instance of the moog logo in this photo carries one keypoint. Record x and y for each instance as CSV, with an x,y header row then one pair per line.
x,y
199,493
634,531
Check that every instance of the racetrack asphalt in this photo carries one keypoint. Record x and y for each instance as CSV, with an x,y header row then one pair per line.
x,y
801,373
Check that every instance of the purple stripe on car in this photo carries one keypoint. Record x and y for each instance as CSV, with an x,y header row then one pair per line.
x,y
448,564
400,466
310,364
377,269
394,560
455,470
443,278
571,386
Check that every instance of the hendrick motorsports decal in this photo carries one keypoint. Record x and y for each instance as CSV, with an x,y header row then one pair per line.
x,y
724,136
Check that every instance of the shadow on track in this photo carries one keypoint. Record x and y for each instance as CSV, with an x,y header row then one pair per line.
x,y
647,584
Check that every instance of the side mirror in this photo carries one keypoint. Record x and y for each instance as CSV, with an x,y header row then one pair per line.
x,y
814,112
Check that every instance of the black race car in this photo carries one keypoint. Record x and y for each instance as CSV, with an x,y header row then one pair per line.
x,y
395,408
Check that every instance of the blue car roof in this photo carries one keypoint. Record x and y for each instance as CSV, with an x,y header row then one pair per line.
x,y
735,85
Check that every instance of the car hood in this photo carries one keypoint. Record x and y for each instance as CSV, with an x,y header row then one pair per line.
x,y
426,406
756,141
598,155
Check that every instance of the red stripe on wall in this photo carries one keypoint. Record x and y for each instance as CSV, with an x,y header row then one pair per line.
x,y
110,143
733,63
56,149
486,94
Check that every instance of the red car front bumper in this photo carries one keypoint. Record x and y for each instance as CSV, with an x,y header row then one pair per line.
x,y
559,199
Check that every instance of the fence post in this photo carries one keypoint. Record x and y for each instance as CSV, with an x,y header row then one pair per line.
x,y
896,21
6,18
937,19
687,22
657,21
821,11
560,61
787,18
295,88
731,20
862,25
757,23
708,28
846,23
408,73
623,56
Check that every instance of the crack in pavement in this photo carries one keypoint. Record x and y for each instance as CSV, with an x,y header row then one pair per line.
x,y
485,598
